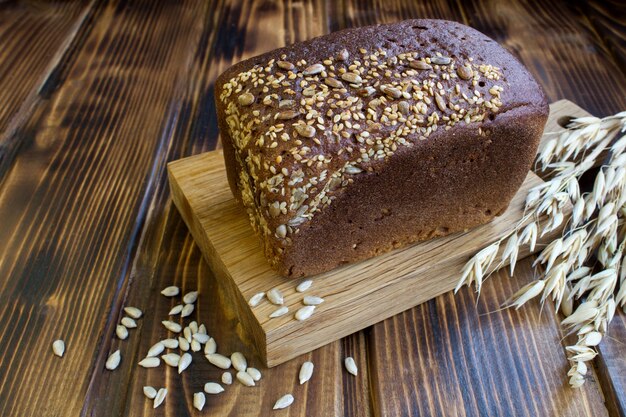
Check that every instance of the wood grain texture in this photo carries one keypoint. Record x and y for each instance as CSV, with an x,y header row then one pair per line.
x,y
88,227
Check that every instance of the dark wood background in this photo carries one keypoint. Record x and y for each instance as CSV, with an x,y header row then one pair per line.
x,y
96,97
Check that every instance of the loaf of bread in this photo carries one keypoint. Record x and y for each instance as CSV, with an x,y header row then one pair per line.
x,y
351,144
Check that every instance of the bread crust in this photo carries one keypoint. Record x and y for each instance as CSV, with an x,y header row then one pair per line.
x,y
455,177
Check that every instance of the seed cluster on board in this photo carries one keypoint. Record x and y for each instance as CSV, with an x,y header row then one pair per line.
x,y
302,130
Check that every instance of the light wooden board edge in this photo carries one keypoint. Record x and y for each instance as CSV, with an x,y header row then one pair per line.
x,y
354,299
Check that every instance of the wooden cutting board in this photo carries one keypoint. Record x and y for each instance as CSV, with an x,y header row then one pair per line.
x,y
356,296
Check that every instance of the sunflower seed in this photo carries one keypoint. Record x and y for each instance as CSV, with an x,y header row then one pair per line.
x,y
283,402
404,107
171,291
58,347
218,360
351,365
150,362
351,77
160,397
129,323
333,82
193,326
256,299
305,130
187,333
195,346
183,344
287,114
281,311
199,400
311,300
275,296
171,359
464,72
170,343
213,388
239,361
113,361
286,104
176,310
420,65
149,392
133,312
156,349
190,297
304,285
366,92
210,346
121,332
314,69
285,65
304,313
254,373
184,362
440,60
245,99
343,55
202,329
245,379
201,337
441,103
227,378
306,371
171,326
187,310
391,91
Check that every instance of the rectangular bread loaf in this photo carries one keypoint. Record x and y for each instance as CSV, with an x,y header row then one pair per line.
x,y
351,144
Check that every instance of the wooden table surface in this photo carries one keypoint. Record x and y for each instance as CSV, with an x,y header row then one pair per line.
x,y
96,97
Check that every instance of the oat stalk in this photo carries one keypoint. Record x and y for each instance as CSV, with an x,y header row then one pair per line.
x,y
585,264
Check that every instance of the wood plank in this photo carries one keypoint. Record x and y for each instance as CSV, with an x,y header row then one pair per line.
x,y
72,204
458,355
166,254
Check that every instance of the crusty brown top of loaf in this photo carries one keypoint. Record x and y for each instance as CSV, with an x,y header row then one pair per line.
x,y
306,119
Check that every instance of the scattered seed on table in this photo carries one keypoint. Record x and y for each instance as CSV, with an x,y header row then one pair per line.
x,y
193,326
213,388
156,349
170,343
190,297
184,362
210,346
304,285
195,346
58,347
281,311
201,338
256,299
218,360
283,402
199,400
171,291
128,323
133,312
171,326
176,310
254,373
351,365
150,362
227,378
306,371
113,361
121,332
187,333
160,397
275,296
239,361
149,392
187,310
245,379
183,344
304,313
171,359
202,329
312,300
